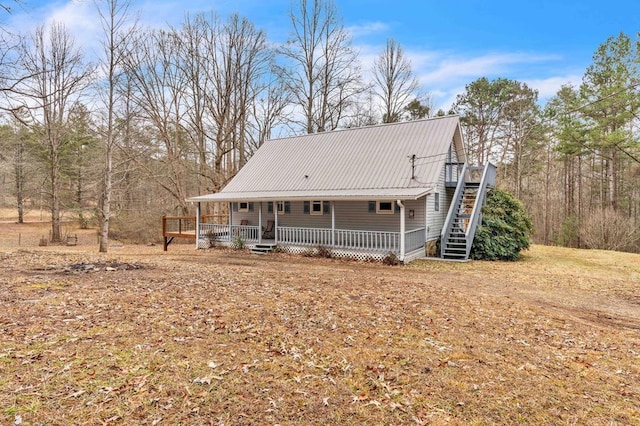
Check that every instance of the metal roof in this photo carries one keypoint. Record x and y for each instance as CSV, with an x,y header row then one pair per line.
x,y
361,163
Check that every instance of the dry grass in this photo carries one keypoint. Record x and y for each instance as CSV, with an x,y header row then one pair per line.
x,y
224,337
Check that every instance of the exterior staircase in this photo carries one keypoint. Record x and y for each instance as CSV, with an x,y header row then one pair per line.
x,y
465,212
263,248
456,245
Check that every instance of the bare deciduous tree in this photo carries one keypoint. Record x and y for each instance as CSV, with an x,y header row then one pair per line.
x,y
323,74
55,75
158,88
394,81
268,111
115,20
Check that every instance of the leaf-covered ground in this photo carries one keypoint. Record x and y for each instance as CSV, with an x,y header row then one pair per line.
x,y
139,336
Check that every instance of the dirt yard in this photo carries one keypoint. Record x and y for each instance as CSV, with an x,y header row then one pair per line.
x,y
139,336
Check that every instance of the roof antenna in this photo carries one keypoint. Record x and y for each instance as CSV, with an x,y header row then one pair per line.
x,y
413,166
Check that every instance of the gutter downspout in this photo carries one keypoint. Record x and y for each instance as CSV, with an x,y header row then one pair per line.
x,y
402,228
426,220
197,225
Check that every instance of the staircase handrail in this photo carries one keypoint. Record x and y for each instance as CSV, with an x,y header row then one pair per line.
x,y
488,179
455,204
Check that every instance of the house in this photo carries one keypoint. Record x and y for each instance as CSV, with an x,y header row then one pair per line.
x,y
363,192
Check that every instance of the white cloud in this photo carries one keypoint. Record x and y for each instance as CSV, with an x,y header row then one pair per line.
x,y
548,87
456,67
367,29
444,74
79,17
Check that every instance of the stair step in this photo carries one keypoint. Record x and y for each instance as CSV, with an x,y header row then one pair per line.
x,y
456,251
263,248
454,257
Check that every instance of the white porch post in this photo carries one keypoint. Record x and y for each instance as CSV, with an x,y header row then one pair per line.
x,y
260,222
333,224
197,224
275,228
230,220
402,227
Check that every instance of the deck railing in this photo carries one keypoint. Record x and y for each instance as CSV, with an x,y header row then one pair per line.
x,y
452,173
178,225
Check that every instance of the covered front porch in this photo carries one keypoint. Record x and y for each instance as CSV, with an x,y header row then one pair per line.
x,y
403,232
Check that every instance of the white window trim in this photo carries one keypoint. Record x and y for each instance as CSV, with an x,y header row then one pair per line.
x,y
243,209
312,211
278,204
379,211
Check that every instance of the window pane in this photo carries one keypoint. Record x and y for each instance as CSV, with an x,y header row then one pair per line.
x,y
385,205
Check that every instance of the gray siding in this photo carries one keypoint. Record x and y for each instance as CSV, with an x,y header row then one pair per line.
x,y
435,219
349,215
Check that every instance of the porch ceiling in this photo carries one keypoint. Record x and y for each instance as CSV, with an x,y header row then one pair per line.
x,y
328,195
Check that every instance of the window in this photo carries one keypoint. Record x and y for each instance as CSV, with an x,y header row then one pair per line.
x,y
436,202
243,207
283,207
384,207
316,207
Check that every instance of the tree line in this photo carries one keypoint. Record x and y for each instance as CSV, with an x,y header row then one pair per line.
x,y
574,162
165,113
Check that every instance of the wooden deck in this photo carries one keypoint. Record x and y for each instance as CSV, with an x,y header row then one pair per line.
x,y
185,226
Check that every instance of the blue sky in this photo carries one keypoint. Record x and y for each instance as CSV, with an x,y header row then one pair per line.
x,y
545,43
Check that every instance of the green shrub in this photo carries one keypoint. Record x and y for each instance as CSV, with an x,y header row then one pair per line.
x,y
506,228
239,243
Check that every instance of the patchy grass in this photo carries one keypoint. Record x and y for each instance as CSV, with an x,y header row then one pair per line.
x,y
222,337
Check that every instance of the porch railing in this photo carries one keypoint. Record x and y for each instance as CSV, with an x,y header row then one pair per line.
x,y
414,239
229,232
374,241
369,241
304,236
379,241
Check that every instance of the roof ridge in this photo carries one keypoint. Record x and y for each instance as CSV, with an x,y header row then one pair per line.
x,y
371,126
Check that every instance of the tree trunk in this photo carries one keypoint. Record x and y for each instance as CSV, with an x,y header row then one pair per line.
x,y
56,236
